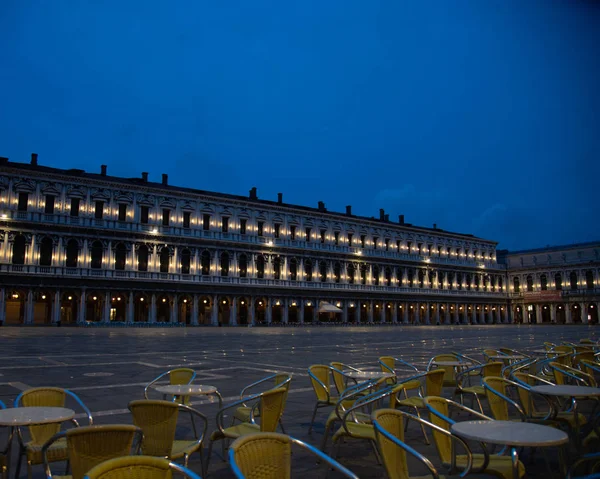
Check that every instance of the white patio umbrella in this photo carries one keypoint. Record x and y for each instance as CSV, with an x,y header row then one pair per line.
x,y
325,307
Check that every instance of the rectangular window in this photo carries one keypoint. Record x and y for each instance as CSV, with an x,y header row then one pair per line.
x,y
225,225
409,244
243,223
350,239
398,244
260,228
336,237
186,219
75,206
276,230
144,214
322,236
375,240
387,244
166,220
362,240
206,222
308,231
49,206
122,212
23,200
99,210
293,232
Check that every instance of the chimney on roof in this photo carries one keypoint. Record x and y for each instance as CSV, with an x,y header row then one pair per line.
x,y
381,214
349,210
3,160
435,226
253,194
145,176
322,206
165,179
386,218
279,198
401,219
34,159
103,170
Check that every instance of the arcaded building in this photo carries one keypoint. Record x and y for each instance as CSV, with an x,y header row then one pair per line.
x,y
88,248
556,284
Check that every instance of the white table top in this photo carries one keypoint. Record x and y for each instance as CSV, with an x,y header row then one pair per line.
x,y
540,351
510,433
27,416
566,391
365,375
450,363
186,389
507,356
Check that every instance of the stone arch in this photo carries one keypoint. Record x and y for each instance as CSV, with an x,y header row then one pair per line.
x,y
15,300
118,306
94,306
163,308
185,304
141,308
205,310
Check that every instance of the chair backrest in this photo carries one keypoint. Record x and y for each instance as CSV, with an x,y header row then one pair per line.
x,y
158,421
434,382
271,407
498,406
92,445
443,443
564,374
322,372
493,368
394,458
263,456
388,364
584,355
49,397
137,467
338,377
564,349
181,376
525,397
450,374
490,352
549,346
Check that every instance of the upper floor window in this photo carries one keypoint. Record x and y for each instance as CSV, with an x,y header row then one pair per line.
x,y
517,285
293,232
164,260
99,210
362,240
122,212
543,282
186,219
142,256
186,256
225,224
260,226
529,283
46,248
243,265
19,248
23,201
589,279
206,222
166,217
96,255
375,241
349,239
276,230
573,280
336,237
243,223
75,206
144,214
120,257
49,204
72,254
558,281
323,236
387,244
308,232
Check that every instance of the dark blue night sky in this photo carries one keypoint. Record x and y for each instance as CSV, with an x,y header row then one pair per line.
x,y
480,116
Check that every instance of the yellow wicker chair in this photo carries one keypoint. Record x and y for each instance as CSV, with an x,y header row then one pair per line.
x,y
340,380
320,379
279,380
38,435
92,445
176,377
388,425
564,374
268,455
390,364
139,467
270,407
477,391
496,394
450,376
158,421
439,415
434,383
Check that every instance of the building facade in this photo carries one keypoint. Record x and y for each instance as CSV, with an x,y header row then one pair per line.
x,y
79,247
554,284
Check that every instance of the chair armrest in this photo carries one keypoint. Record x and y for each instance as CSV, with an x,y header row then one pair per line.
x,y
195,412
507,399
320,383
411,366
240,402
250,386
158,378
45,447
82,406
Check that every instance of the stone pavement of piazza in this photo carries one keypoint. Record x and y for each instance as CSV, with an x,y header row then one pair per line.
x,y
107,368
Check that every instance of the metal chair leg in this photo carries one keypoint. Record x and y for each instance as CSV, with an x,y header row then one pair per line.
x,y
422,427
479,403
313,418
210,444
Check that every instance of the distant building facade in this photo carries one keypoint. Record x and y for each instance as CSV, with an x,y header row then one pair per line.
x,y
558,284
80,248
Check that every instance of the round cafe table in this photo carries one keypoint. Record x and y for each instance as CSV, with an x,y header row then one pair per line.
x,y
512,434
31,416
509,357
190,390
455,364
570,391
366,375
